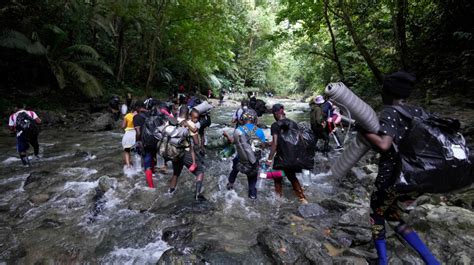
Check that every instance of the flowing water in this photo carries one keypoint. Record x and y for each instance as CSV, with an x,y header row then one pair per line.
x,y
56,210
76,204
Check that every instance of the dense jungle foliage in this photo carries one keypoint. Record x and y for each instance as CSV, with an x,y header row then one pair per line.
x,y
84,50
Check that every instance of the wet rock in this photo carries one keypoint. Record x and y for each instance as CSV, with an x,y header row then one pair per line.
x,y
104,122
447,230
463,199
349,261
50,223
285,248
278,248
311,210
81,154
4,208
355,216
51,118
35,177
173,256
178,236
39,198
106,183
341,202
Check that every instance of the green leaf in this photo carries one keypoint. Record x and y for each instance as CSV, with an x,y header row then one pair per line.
x,y
83,50
16,40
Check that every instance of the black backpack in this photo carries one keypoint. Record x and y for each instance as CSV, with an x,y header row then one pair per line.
x,y
296,146
434,155
260,107
148,129
26,126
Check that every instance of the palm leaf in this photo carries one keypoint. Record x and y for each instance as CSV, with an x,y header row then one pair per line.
x,y
100,65
58,74
16,40
86,82
82,49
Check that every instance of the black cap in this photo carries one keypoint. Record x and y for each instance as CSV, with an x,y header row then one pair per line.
x,y
139,105
399,84
277,107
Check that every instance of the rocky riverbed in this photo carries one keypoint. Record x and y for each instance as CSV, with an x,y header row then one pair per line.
x,y
77,205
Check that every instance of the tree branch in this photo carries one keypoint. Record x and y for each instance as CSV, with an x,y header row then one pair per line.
x,y
323,54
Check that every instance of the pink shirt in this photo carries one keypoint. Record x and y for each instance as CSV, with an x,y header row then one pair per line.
x,y
12,119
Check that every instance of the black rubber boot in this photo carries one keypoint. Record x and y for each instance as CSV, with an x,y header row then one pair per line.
x,y
197,193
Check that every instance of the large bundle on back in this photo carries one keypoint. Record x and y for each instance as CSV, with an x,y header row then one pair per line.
x,y
296,146
172,141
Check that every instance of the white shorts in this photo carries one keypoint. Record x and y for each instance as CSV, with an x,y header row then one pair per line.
x,y
129,139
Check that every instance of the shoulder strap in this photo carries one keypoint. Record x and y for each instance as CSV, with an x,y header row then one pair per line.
x,y
402,111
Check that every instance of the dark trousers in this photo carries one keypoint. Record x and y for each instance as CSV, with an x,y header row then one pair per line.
x,y
251,178
22,144
384,200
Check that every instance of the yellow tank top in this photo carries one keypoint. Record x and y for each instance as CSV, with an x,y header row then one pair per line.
x,y
129,121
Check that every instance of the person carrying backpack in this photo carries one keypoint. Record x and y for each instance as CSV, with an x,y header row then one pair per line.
x,y
145,123
25,124
317,121
248,155
329,116
394,127
185,154
283,151
114,105
244,105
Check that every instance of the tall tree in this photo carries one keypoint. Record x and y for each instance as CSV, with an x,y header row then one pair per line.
x,y
333,39
345,15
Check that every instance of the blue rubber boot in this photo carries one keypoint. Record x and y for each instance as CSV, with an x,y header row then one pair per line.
x,y
381,251
415,242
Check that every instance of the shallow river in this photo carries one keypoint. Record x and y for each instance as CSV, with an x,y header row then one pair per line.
x,y
63,209
55,212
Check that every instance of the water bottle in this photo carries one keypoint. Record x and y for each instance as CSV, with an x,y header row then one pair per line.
x,y
137,162
263,171
262,176
160,162
306,177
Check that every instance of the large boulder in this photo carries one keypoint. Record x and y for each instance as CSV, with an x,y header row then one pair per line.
x,y
104,122
51,118
447,230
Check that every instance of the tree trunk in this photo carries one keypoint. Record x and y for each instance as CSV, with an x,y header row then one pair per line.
x,y
152,64
333,40
359,45
120,58
401,31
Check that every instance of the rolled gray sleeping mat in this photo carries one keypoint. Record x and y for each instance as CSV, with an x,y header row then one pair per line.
x,y
351,155
364,115
203,108
176,141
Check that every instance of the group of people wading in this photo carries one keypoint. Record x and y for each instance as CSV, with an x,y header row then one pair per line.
x,y
176,132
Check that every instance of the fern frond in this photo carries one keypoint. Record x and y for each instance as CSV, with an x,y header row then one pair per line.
x,y
16,40
100,65
82,49
86,82
58,74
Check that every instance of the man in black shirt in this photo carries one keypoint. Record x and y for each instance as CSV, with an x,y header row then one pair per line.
x,y
148,153
384,200
279,115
